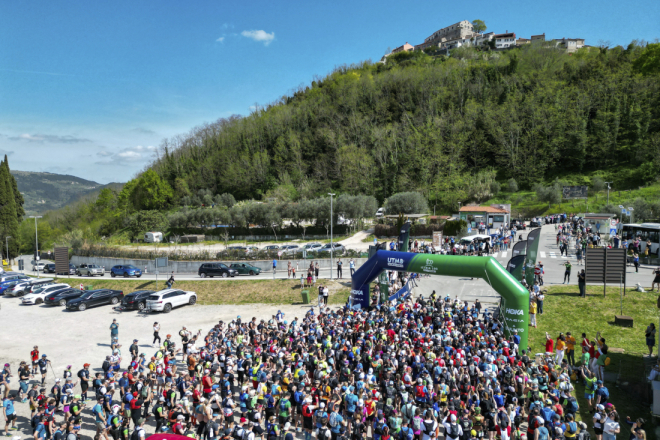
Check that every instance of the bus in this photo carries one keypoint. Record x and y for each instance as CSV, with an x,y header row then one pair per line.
x,y
643,231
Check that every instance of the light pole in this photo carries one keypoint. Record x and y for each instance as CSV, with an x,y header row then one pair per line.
x,y
608,192
36,242
332,261
631,209
7,240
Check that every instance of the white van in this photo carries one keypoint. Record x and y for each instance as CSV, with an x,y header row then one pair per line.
x,y
153,237
380,212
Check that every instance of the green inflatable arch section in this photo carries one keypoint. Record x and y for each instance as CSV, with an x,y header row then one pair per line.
x,y
515,304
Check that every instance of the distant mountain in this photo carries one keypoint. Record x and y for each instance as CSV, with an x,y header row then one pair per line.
x,y
46,191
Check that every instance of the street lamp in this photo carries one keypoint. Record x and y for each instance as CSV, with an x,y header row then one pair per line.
x,y
332,261
7,239
608,192
36,241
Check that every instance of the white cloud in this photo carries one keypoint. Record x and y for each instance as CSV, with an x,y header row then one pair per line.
x,y
260,36
220,40
132,155
48,138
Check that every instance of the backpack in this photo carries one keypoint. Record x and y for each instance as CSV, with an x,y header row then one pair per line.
x,y
419,391
572,427
572,406
605,395
378,428
417,423
453,430
430,431
306,411
407,433
136,434
332,420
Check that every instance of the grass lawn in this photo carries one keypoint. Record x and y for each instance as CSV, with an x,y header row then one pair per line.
x,y
565,312
225,292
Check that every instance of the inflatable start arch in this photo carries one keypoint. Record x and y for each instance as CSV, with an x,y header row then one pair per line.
x,y
515,304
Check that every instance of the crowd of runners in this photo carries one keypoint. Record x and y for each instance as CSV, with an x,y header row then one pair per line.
x,y
411,370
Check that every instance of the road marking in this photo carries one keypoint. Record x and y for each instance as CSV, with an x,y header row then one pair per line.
x,y
504,254
553,255
542,254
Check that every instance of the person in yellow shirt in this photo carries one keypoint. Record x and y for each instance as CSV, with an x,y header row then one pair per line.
x,y
559,348
570,349
532,313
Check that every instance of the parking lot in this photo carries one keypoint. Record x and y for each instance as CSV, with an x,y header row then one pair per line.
x,y
74,338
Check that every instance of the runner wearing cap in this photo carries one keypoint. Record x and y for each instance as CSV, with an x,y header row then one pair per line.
x,y
83,375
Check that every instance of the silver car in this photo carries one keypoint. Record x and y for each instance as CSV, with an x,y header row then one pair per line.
x,y
90,270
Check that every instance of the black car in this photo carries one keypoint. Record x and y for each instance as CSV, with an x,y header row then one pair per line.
x,y
216,270
136,300
49,268
93,298
62,297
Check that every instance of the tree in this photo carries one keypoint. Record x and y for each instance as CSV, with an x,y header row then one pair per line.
x,y
151,192
18,197
406,203
512,185
648,62
146,221
8,217
225,199
597,184
550,194
479,26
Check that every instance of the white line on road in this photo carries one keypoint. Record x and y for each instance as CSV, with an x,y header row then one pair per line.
x,y
542,254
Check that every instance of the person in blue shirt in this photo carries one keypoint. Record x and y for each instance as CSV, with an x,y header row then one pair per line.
x,y
9,413
335,421
100,421
321,415
516,337
351,401
40,430
274,266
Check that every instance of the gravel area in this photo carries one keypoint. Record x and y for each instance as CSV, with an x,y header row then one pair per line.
x,y
74,338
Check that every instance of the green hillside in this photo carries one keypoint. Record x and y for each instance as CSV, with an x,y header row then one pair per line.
x,y
477,126
47,191
439,125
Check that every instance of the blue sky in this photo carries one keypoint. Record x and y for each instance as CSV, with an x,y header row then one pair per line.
x,y
92,88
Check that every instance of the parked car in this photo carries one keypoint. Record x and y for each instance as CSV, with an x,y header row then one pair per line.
x,y
535,222
37,296
72,269
380,212
520,225
309,246
49,268
136,300
271,249
216,270
125,270
26,286
62,297
10,276
92,298
38,266
7,285
290,249
90,270
166,300
245,269
314,247
337,248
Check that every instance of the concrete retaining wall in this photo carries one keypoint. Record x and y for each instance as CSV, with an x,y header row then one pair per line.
x,y
192,266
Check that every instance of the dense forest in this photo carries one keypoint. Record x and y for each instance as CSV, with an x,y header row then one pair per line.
x,y
449,129
438,125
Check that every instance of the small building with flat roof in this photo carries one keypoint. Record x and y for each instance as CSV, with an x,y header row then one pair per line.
x,y
492,216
